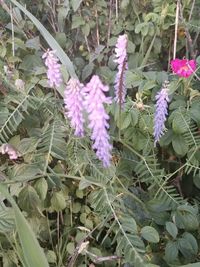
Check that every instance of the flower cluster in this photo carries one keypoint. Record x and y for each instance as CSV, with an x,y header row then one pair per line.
x,y
161,112
53,68
183,67
10,150
121,60
94,100
73,100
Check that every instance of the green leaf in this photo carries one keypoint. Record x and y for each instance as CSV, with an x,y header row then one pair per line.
x,y
70,248
76,4
196,180
180,123
87,71
179,144
186,220
41,188
124,121
58,201
150,234
171,229
186,248
193,242
7,222
171,251
197,264
28,199
77,21
134,116
32,252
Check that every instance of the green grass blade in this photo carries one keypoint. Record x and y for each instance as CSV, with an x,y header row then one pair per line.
x,y
32,252
49,39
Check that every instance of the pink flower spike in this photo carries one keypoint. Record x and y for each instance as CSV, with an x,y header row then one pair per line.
x,y
183,67
98,118
121,60
53,68
73,99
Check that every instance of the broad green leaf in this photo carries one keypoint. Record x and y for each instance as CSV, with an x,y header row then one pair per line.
x,y
186,220
129,224
179,144
76,4
58,201
124,121
186,248
77,21
193,242
150,234
171,251
70,248
41,188
171,229
32,252
28,199
180,123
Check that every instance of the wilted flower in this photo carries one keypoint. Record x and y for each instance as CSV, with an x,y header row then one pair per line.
x,y
73,99
53,68
19,84
161,112
94,100
121,60
10,150
183,67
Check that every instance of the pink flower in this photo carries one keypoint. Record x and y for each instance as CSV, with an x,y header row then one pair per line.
x,y
183,67
121,60
53,68
10,150
98,118
73,99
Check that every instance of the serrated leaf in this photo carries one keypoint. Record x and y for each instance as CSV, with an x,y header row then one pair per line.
x,y
150,234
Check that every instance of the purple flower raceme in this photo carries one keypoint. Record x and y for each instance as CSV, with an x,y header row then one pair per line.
x,y
121,60
53,68
161,112
73,99
94,100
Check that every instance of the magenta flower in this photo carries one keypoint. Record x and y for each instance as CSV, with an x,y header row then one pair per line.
x,y
161,112
53,68
183,67
121,60
94,100
73,99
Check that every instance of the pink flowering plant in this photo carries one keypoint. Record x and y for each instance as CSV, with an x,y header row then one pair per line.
x,y
183,67
100,166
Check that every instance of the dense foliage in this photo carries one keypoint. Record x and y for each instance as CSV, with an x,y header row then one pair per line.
x,y
142,210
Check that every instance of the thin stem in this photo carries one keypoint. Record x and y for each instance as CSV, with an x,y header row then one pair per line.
x,y
176,28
